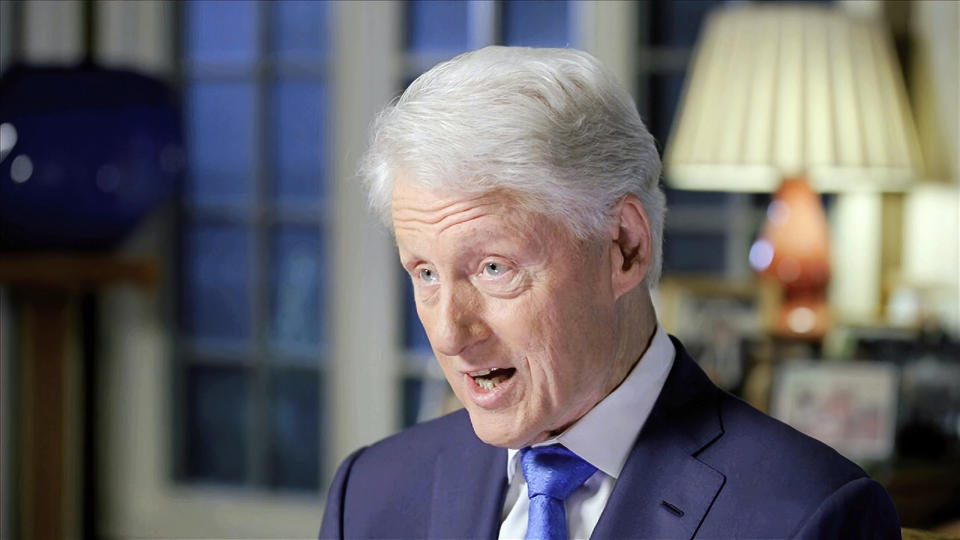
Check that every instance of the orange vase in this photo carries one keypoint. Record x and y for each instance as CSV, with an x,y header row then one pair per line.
x,y
794,250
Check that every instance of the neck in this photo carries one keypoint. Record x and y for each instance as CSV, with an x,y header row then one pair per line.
x,y
637,323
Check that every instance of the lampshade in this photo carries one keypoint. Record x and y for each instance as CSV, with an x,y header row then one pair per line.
x,y
779,91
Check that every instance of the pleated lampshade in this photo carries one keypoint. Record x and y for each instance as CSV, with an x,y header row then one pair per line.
x,y
779,91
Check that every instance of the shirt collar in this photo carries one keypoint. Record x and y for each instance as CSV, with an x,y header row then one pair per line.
x,y
604,436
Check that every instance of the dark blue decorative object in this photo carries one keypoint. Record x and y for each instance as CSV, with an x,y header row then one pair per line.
x,y
85,153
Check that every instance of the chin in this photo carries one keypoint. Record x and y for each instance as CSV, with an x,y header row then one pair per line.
x,y
494,432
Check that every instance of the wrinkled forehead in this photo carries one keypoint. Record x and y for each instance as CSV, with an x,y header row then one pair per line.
x,y
420,205
410,192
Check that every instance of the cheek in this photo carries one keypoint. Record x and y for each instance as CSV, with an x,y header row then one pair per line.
x,y
557,334
524,327
578,318
580,331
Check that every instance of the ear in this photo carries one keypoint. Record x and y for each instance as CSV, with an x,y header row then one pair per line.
x,y
630,248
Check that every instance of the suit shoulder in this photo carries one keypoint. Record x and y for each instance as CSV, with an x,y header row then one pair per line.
x,y
767,445
861,508
776,478
420,443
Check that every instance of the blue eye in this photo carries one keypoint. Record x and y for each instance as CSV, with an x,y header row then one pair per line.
x,y
427,275
492,269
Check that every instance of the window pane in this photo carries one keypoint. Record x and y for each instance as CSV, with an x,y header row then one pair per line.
x,y
536,24
220,139
217,283
664,94
217,412
295,429
424,398
301,28
686,197
412,393
675,23
415,337
218,31
297,292
300,138
700,253
437,26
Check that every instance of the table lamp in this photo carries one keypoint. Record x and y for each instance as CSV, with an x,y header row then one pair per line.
x,y
795,100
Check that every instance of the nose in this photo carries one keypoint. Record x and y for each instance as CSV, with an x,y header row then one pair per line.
x,y
457,320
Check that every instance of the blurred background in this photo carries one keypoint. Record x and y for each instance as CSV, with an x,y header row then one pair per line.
x,y
199,318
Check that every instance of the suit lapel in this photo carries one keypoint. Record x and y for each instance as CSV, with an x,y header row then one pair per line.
x,y
469,486
664,491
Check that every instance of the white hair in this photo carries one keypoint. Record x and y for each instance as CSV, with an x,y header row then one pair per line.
x,y
552,127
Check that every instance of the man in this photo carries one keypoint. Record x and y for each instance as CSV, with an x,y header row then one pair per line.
x,y
522,188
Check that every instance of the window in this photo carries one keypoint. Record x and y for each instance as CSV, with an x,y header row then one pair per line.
x,y
251,344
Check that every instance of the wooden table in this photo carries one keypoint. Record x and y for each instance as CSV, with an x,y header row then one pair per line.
x,y
47,290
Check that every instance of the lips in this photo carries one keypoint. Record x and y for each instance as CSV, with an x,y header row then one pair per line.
x,y
490,388
488,379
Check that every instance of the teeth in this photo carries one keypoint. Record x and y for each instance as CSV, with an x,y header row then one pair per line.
x,y
490,384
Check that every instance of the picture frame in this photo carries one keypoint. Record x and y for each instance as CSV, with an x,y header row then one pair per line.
x,y
850,406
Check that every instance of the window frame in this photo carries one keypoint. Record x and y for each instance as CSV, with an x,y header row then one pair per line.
x,y
256,357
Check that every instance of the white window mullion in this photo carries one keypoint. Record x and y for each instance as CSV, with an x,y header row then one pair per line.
x,y
484,19
44,45
608,30
365,360
137,35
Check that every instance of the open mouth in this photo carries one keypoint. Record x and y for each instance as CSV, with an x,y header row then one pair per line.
x,y
488,379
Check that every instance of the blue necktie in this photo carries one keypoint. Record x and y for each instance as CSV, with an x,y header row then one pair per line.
x,y
552,473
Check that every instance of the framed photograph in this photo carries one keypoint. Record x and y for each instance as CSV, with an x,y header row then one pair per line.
x,y
850,406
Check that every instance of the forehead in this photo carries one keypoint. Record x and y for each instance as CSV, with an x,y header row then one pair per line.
x,y
419,207
426,215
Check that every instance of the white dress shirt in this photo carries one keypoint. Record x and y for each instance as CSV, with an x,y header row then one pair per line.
x,y
603,437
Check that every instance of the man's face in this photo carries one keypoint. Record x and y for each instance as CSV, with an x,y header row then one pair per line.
x,y
520,315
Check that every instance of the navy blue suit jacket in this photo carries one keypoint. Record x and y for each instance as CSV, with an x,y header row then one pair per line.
x,y
705,465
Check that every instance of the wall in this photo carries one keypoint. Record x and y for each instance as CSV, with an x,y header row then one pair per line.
x,y
931,227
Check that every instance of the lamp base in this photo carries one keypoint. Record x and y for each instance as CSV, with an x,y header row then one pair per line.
x,y
802,318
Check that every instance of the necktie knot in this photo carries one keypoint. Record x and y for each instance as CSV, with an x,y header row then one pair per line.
x,y
552,474
553,471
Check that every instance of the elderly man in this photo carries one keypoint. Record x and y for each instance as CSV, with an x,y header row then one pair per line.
x,y
522,189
